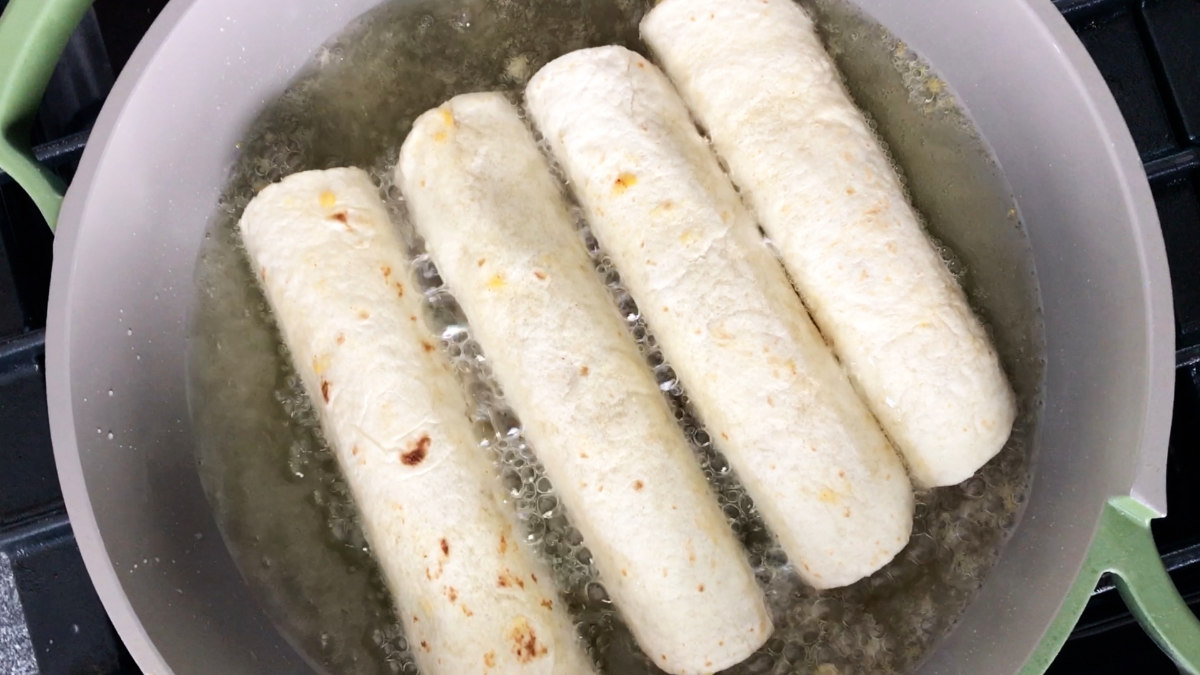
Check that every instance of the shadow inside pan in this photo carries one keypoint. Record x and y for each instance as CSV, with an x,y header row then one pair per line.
x,y
275,488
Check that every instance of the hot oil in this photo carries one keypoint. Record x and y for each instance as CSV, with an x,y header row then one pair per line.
x,y
279,498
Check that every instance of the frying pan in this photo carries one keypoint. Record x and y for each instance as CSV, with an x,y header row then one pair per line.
x,y
162,147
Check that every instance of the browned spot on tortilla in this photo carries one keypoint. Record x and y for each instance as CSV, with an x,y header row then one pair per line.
x,y
600,489
624,572
364,314
533,576
417,453
387,271
451,593
584,370
640,64
412,317
425,344
849,190
846,513
325,390
707,663
480,262
700,588
664,657
415,619
638,484
841,473
262,271
548,604
445,547
721,643
503,544
489,659
539,274
507,580
665,309
583,455
354,450
341,217
525,642
623,182
424,645
467,610
341,338
399,289
770,401
724,435
422,182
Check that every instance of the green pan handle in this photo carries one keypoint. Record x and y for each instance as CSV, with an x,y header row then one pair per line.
x,y
1124,547
33,34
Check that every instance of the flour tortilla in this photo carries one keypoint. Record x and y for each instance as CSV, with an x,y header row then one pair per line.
x,y
470,595
757,78
770,392
498,229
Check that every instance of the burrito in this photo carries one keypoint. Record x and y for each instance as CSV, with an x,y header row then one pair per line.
x,y
498,229
759,376
471,596
757,78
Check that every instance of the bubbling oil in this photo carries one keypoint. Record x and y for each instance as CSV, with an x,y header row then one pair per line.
x,y
282,505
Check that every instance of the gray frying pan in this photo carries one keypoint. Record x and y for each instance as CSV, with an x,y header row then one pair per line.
x,y
162,147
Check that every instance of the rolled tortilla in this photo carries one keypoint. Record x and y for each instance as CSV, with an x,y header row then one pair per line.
x,y
757,78
773,398
471,598
496,225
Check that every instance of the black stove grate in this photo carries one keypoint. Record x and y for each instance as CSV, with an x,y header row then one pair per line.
x,y
50,619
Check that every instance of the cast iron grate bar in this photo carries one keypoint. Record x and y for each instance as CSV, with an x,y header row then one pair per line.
x,y
1172,166
1084,10
61,152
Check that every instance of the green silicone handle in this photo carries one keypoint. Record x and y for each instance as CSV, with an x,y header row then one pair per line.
x,y
33,34
1124,547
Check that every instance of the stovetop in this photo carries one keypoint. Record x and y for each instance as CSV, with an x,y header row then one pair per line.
x,y
50,618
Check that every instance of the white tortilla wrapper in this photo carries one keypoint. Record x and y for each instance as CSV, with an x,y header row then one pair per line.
x,y
496,225
757,78
471,597
766,386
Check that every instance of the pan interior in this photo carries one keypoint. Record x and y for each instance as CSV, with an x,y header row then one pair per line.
x,y
285,513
